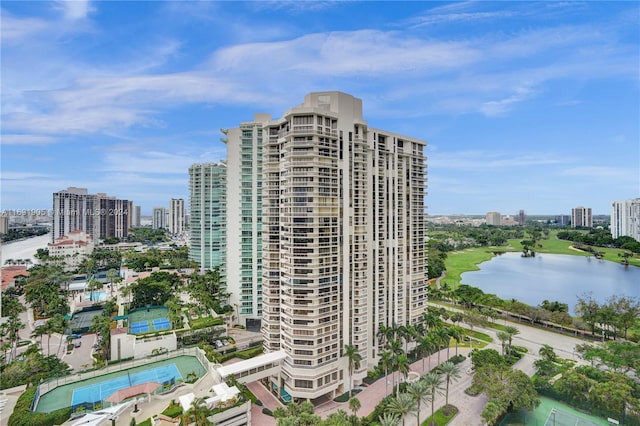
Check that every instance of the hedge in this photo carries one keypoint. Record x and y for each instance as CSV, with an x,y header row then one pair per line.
x,y
22,415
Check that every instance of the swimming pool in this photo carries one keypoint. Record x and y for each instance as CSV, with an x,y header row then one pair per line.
x,y
97,296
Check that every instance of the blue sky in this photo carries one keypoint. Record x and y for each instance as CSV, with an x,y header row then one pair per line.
x,y
524,105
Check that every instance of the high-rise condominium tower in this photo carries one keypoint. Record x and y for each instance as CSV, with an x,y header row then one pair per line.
x,y
98,215
494,218
244,219
343,240
176,216
581,217
160,218
207,218
625,218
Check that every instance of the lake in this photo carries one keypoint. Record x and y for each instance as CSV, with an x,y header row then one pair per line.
x,y
553,277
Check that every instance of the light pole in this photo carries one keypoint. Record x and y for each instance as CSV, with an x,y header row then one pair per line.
x,y
553,413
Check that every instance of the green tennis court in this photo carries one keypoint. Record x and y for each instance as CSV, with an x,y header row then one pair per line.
x,y
551,410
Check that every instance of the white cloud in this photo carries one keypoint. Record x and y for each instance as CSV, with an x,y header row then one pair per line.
x,y
620,174
75,9
494,161
28,139
150,162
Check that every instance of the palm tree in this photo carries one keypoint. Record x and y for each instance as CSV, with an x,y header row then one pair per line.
x,y
434,382
353,358
546,351
425,345
402,405
354,406
403,364
457,334
198,413
111,275
388,419
511,331
442,337
503,336
450,371
386,360
420,392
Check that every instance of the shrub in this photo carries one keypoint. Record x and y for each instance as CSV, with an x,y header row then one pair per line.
x,y
457,359
22,415
173,410
266,411
472,390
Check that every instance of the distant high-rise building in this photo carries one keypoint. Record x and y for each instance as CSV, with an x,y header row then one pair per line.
x,y
625,218
98,215
176,216
135,218
207,215
4,223
563,220
343,240
160,218
581,217
521,218
494,218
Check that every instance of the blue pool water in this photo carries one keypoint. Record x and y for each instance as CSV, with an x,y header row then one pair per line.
x,y
97,296
102,390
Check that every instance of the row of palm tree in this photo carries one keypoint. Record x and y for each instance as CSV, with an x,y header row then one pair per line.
x,y
428,336
506,337
421,391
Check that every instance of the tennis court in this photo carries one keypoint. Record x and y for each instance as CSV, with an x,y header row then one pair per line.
x,y
104,389
100,386
551,412
149,319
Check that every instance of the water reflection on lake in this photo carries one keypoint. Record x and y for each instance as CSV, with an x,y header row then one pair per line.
x,y
553,277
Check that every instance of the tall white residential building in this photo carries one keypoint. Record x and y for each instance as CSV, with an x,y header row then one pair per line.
x,y
343,240
494,218
98,215
135,217
244,219
581,217
625,218
207,215
160,218
176,213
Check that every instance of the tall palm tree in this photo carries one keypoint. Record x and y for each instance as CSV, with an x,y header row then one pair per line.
x,y
450,371
402,405
512,331
420,392
457,334
424,347
503,336
546,351
402,364
353,358
386,359
434,382
442,338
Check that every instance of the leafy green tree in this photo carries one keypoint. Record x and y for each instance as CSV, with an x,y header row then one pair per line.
x,y
547,352
198,413
589,310
492,412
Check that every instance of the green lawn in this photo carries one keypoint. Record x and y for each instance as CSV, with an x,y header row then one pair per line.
x,y
467,260
440,418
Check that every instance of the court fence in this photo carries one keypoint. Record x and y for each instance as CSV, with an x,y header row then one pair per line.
x,y
49,385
